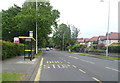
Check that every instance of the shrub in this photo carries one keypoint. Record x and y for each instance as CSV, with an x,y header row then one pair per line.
x,y
115,48
97,51
11,49
77,47
101,46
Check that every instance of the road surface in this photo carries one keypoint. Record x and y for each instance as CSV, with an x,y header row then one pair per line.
x,y
62,66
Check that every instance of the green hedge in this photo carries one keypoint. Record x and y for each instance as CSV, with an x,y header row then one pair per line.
x,y
114,48
77,47
97,51
11,49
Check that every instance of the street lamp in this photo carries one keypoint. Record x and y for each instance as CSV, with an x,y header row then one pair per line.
x,y
108,26
36,30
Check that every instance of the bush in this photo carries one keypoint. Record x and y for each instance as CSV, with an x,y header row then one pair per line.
x,y
97,51
114,48
101,46
77,47
11,49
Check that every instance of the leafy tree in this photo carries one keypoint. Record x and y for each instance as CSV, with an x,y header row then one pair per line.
x,y
8,24
62,36
75,32
19,21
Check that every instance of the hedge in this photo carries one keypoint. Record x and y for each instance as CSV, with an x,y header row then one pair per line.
x,y
10,49
97,51
114,48
77,47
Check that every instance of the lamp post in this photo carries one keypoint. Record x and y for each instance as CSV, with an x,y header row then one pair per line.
x,y
107,26
36,30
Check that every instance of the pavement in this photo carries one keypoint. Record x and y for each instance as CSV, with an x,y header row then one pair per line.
x,y
19,65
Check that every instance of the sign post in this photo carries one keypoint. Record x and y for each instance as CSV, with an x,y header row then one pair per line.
x,y
16,40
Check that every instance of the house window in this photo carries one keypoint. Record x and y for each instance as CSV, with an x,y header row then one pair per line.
x,y
109,41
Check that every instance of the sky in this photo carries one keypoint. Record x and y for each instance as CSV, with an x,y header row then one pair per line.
x,y
89,16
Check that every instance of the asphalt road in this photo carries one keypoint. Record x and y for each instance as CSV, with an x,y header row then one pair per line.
x,y
62,66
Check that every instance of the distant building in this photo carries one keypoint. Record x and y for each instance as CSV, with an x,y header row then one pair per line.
x,y
113,38
93,40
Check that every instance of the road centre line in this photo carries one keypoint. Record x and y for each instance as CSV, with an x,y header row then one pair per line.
x,y
37,78
96,79
112,69
87,61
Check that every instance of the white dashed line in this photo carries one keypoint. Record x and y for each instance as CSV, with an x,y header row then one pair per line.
x,y
87,61
112,69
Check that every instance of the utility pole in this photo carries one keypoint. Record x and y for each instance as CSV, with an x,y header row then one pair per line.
x,y
36,30
107,27
63,42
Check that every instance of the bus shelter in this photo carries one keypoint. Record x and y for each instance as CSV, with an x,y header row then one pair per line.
x,y
29,47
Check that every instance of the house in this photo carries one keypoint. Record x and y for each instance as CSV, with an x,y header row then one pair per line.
x,y
101,39
113,37
93,40
81,41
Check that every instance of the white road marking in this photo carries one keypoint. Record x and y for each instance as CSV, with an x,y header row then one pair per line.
x,y
82,70
87,61
112,69
96,79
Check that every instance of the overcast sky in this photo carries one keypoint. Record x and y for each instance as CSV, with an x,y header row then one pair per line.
x,y
90,16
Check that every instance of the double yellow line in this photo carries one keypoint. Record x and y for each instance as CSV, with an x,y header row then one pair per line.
x,y
37,78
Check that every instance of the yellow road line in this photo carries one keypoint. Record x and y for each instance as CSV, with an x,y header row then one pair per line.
x,y
48,66
82,71
53,66
96,79
47,61
58,66
50,62
63,66
37,78
69,65
74,66
57,61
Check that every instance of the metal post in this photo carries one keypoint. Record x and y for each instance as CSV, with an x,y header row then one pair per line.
x,y
36,30
63,41
107,27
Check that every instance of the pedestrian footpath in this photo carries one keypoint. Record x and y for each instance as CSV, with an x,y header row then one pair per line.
x,y
19,65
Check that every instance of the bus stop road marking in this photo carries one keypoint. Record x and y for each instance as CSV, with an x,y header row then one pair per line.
x,y
37,78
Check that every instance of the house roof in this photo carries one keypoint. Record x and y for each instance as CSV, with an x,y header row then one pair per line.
x,y
80,41
114,36
86,39
102,37
93,39
83,40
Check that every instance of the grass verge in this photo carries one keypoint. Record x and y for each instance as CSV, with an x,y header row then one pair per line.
x,y
99,56
12,76
39,53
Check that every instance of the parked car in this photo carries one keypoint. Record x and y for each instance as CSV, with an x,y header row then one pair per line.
x,y
47,48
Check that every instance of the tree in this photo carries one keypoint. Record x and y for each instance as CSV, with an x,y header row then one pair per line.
x,y
62,36
75,32
8,24
19,21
